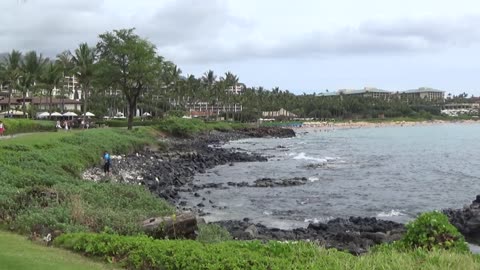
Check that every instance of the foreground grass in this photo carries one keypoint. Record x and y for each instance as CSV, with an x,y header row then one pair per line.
x,y
17,253
145,253
41,187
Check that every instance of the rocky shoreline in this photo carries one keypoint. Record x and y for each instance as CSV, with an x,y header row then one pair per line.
x,y
169,172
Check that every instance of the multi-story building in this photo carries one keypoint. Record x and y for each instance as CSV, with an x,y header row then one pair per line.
x,y
425,93
367,92
237,89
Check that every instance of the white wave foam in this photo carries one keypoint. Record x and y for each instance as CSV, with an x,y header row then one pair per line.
x,y
392,213
267,213
310,220
303,156
318,220
313,179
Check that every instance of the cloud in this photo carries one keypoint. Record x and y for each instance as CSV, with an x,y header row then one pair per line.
x,y
192,31
371,37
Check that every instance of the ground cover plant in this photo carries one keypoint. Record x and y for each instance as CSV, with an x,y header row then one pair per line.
x,y
141,252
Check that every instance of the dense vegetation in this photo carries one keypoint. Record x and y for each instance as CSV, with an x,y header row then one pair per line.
x,y
15,126
41,188
141,252
187,127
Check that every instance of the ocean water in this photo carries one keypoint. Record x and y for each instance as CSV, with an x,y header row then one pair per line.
x,y
391,173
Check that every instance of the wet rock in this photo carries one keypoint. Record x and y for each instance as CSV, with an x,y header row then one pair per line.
x,y
288,182
467,220
355,235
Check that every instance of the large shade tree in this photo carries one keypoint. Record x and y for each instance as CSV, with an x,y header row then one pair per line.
x,y
131,62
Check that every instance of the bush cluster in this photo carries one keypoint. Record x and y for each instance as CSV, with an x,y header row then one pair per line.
x,y
14,126
432,230
181,127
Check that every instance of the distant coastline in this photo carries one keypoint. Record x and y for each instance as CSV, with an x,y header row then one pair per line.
x,y
330,125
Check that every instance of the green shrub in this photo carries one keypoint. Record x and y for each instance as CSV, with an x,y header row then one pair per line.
x,y
14,126
212,233
181,127
124,123
433,230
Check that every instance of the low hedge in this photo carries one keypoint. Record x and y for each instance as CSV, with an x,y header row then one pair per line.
x,y
14,126
181,127
124,123
141,253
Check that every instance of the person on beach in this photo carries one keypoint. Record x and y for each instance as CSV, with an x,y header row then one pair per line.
x,y
58,125
2,128
107,163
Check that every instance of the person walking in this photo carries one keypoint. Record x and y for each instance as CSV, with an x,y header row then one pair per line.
x,y
2,128
107,163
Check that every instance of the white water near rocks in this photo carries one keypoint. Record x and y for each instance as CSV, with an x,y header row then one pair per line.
x,y
390,173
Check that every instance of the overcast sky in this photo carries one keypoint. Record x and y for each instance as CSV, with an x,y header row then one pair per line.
x,y
301,45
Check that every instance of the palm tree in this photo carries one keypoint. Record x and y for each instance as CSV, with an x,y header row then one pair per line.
x,y
52,78
12,72
64,60
84,60
32,66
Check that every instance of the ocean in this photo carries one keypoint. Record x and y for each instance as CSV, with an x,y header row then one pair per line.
x,y
391,173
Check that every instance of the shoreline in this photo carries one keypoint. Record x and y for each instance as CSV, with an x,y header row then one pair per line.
x,y
330,126
170,172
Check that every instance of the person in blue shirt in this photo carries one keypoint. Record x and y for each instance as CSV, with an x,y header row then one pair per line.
x,y
107,163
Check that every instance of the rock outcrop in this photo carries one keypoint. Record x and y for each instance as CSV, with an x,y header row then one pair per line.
x,y
355,235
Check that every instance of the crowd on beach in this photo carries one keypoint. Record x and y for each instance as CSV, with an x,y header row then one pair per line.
x,y
69,124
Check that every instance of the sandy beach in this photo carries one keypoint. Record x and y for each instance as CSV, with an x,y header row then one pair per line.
x,y
363,124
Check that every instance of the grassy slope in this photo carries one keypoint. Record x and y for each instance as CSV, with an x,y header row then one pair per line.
x,y
40,183
17,253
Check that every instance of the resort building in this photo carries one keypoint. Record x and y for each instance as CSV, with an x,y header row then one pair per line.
x,y
237,89
372,92
280,113
423,93
43,104
366,92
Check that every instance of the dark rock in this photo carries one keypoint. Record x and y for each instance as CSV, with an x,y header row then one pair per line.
x,y
200,205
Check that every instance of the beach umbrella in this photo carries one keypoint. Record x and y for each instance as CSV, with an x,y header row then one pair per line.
x,y
89,114
70,114
146,114
56,114
43,115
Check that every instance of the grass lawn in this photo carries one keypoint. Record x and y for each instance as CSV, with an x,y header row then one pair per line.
x,y
18,253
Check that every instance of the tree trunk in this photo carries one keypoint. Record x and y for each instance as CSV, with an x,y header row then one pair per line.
x,y
132,104
24,108
9,98
85,103
51,102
